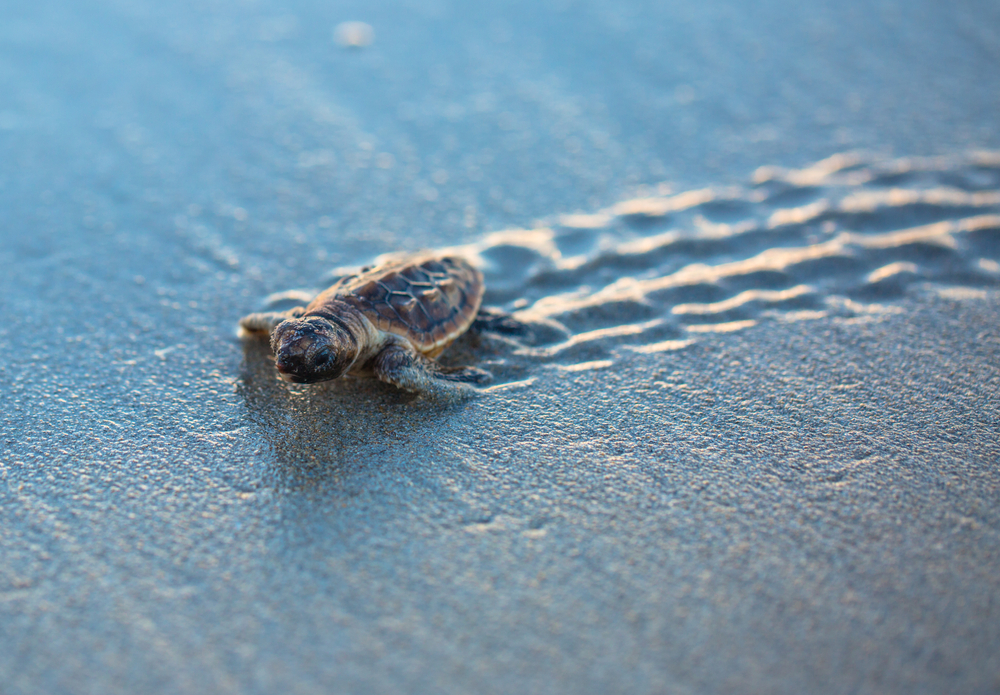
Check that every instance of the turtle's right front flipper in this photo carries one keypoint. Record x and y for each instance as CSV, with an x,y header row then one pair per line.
x,y
265,322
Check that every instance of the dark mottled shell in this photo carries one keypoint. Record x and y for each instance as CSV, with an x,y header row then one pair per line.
x,y
430,300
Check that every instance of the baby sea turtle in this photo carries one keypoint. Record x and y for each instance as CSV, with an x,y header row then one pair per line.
x,y
388,321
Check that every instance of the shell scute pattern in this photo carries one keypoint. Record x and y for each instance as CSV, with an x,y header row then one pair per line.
x,y
417,276
430,301
401,301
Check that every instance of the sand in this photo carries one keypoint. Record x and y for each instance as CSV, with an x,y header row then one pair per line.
x,y
750,445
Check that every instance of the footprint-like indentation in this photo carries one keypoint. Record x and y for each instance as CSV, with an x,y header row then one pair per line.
x,y
511,263
726,210
893,179
576,242
984,235
888,281
762,279
600,314
788,195
684,291
829,268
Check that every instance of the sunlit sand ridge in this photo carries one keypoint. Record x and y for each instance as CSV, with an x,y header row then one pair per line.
x,y
845,237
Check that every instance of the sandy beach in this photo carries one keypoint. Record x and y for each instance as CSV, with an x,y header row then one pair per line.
x,y
750,443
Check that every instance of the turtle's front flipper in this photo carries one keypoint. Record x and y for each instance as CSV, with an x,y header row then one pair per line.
x,y
266,321
405,369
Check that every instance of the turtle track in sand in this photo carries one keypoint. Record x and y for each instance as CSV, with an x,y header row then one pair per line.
x,y
846,237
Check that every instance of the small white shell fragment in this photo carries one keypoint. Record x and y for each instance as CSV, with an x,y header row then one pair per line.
x,y
354,34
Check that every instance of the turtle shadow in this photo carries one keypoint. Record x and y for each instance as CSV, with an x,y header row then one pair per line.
x,y
332,431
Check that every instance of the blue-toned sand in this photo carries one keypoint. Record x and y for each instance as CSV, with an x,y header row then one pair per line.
x,y
749,444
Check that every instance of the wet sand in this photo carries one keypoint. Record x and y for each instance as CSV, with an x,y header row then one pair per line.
x,y
750,444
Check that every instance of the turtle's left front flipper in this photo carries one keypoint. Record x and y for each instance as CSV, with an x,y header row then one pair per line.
x,y
410,371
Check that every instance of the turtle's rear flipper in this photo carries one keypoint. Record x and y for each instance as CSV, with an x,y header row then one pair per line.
x,y
490,320
466,375
409,371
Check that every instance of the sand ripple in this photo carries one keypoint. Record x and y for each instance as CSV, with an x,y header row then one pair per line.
x,y
844,237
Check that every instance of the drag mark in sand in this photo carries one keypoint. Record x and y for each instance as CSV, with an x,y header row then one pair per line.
x,y
844,237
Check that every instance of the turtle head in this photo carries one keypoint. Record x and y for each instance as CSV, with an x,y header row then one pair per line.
x,y
311,349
